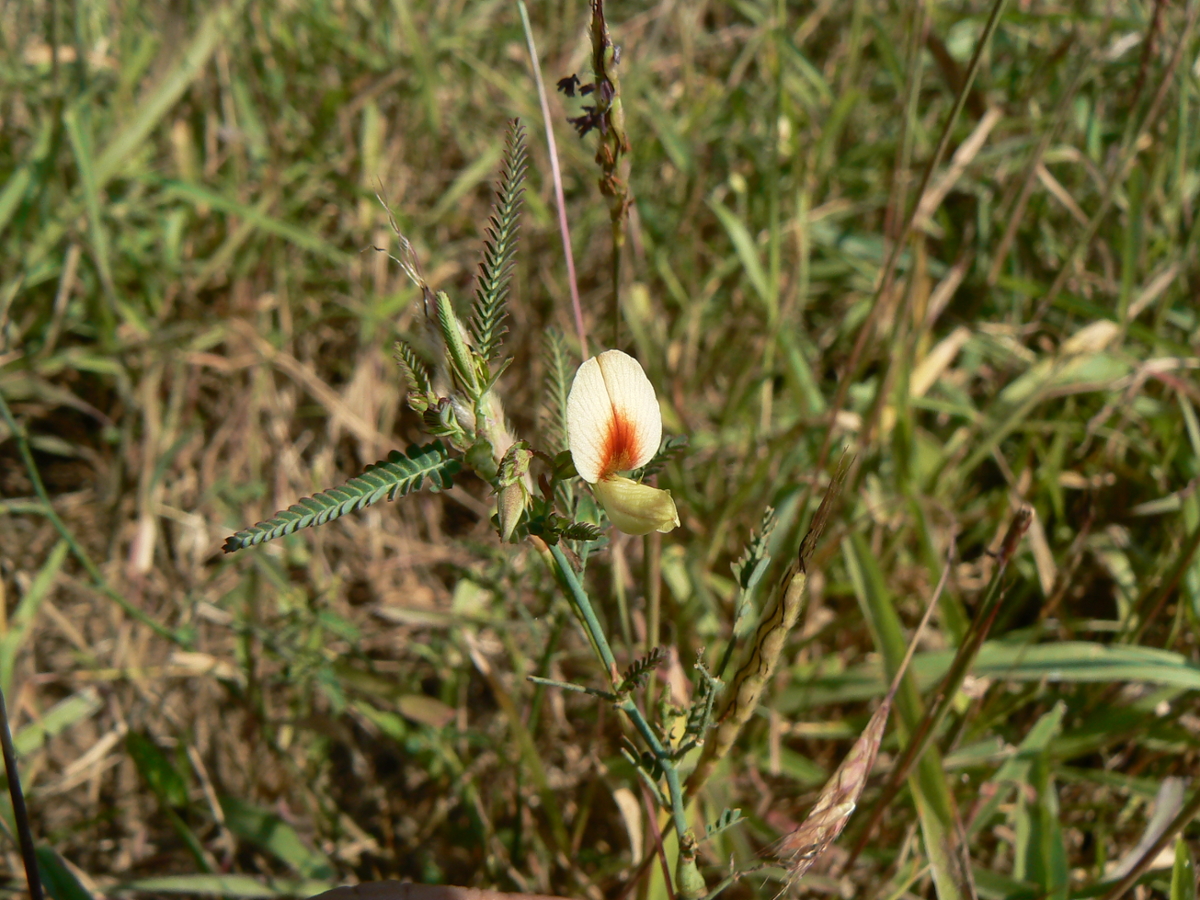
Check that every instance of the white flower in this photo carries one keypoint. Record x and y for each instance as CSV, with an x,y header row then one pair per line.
x,y
614,425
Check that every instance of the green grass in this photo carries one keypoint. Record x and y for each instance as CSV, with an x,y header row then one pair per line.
x,y
195,333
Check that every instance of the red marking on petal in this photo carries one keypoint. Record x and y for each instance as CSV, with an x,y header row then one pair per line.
x,y
620,445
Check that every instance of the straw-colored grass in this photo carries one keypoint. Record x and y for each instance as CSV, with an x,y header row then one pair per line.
x,y
195,332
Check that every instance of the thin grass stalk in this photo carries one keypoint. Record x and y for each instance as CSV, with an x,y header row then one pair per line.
x,y
804,846
1017,212
1149,608
556,176
526,746
774,239
898,201
931,795
652,588
407,890
968,650
620,575
655,834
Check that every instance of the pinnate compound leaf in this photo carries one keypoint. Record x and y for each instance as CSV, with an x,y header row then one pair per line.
x,y
751,565
416,375
499,248
582,531
671,447
560,370
637,673
397,476
727,819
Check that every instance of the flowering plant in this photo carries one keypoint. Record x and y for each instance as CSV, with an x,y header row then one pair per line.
x,y
612,428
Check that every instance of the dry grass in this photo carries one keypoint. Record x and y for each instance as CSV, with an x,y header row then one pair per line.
x,y
194,333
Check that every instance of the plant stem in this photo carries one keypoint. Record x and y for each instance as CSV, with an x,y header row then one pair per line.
x,y
20,813
652,587
584,605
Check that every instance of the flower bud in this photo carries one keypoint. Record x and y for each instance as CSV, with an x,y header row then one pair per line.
x,y
510,504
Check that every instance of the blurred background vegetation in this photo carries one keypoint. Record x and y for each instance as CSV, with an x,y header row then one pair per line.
x,y
195,332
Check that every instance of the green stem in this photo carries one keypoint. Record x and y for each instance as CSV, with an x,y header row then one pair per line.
x,y
568,686
590,622
584,605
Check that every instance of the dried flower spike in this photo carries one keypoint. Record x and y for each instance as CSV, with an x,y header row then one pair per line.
x,y
614,425
825,821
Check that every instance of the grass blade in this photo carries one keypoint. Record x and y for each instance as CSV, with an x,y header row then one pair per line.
x,y
215,28
1183,873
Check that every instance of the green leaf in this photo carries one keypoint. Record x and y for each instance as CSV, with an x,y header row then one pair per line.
x,y
84,159
256,216
997,886
397,476
499,248
58,718
26,612
60,882
426,710
1065,661
746,248
1183,873
154,765
1041,855
192,58
1016,770
270,833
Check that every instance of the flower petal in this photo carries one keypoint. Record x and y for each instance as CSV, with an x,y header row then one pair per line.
x,y
613,420
636,508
